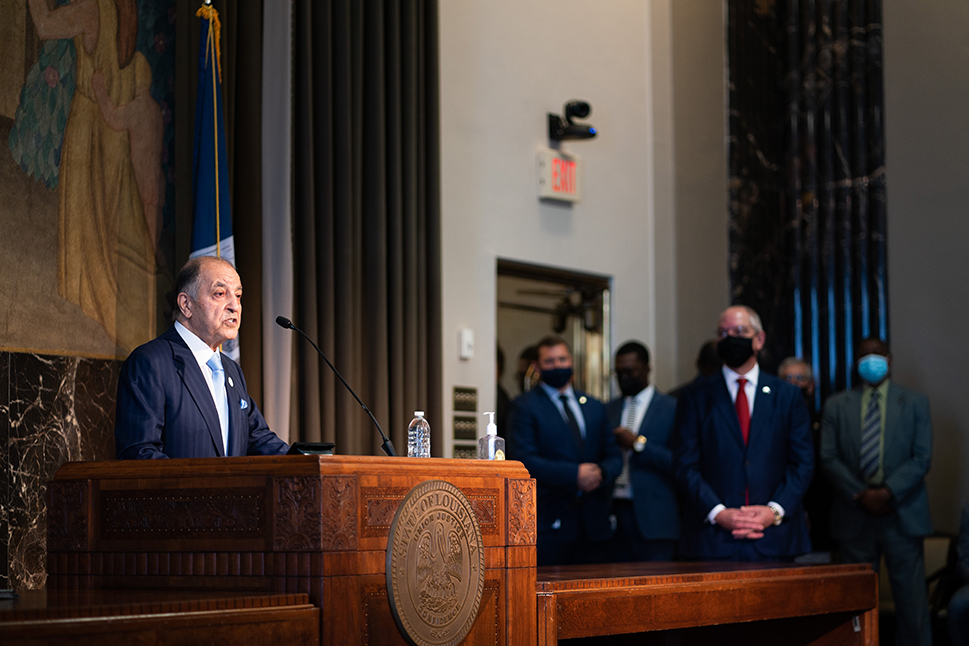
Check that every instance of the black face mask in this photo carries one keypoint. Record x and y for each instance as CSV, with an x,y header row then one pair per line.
x,y
557,377
630,386
735,350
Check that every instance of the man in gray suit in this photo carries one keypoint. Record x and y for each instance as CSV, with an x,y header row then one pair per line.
x,y
876,445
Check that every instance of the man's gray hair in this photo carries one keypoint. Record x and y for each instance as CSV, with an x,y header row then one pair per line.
x,y
754,318
795,361
751,314
187,281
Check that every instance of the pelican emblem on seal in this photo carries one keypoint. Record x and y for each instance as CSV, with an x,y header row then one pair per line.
x,y
435,565
439,564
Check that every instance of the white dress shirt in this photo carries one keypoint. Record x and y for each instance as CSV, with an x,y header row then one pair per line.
x,y
643,399
750,387
202,353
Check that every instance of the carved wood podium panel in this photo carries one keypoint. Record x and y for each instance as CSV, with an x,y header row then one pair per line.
x,y
312,524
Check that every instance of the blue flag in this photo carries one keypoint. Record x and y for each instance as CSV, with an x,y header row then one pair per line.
x,y
212,228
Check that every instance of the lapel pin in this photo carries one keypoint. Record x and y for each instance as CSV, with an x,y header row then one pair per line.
x,y
582,399
243,404
231,385
765,389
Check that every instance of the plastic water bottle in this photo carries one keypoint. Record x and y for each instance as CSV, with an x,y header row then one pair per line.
x,y
491,447
419,437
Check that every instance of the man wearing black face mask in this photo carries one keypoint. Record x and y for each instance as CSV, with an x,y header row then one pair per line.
x,y
561,436
743,455
644,500
876,447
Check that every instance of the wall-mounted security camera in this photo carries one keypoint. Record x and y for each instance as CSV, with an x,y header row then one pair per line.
x,y
561,128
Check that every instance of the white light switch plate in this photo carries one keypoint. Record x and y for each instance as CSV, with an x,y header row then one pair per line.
x,y
466,343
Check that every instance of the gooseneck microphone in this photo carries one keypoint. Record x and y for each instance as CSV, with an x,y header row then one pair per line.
x,y
387,446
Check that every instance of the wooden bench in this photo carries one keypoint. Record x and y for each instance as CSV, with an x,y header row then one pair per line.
x,y
99,617
709,603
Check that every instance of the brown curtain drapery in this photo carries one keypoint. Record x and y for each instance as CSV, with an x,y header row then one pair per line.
x,y
366,219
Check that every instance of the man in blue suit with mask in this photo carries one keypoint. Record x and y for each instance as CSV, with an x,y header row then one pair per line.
x,y
178,395
562,437
743,455
876,446
644,501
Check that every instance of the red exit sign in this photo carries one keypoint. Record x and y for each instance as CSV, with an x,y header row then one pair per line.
x,y
559,175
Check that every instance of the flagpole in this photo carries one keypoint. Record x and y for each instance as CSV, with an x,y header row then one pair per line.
x,y
211,45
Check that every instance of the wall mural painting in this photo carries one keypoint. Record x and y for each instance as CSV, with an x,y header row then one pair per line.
x,y
86,184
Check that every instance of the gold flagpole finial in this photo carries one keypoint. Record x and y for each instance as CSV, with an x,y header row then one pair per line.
x,y
208,12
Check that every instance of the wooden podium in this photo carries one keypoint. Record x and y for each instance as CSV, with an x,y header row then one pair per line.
x,y
292,524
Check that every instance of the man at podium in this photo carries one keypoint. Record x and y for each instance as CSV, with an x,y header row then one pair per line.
x,y
179,396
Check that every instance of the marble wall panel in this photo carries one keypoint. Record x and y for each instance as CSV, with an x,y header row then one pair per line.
x,y
5,474
808,219
58,409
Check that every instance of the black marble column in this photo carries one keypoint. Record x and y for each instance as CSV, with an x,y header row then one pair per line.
x,y
807,177
4,460
52,409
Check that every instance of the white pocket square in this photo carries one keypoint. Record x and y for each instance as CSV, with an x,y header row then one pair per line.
x,y
243,404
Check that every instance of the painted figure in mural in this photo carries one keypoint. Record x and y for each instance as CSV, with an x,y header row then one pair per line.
x,y
108,189
141,118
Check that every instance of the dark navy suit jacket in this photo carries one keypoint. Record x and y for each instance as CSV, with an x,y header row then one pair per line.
x,y
165,408
713,466
655,498
544,443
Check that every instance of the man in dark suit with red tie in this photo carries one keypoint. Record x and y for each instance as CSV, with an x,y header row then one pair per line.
x,y
562,437
743,455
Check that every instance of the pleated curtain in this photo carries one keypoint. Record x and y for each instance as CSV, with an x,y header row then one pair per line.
x,y
366,220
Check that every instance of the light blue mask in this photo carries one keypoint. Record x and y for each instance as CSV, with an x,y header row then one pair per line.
x,y
873,368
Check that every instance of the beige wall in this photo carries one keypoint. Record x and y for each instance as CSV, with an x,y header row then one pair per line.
x,y
654,175
700,127
927,158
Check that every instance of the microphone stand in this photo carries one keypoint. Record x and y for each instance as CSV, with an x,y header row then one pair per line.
x,y
387,445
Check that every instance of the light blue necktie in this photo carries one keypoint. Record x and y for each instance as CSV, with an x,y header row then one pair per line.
x,y
221,405
871,438
622,482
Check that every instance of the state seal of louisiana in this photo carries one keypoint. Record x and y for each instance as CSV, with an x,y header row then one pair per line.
x,y
435,565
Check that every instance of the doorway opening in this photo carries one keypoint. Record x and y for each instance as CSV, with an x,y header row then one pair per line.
x,y
535,301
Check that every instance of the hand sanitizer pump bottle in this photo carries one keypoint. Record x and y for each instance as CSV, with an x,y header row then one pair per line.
x,y
491,447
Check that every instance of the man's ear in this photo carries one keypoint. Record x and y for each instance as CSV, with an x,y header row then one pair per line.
x,y
184,305
761,337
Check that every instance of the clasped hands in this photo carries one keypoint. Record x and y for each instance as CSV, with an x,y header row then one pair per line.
x,y
747,522
624,437
590,476
877,501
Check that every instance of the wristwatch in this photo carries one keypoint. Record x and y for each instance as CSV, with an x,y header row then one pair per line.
x,y
639,444
777,515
